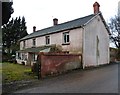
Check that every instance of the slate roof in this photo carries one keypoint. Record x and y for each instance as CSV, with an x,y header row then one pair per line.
x,y
60,27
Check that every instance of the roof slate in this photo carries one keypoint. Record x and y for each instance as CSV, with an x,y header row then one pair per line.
x,y
60,27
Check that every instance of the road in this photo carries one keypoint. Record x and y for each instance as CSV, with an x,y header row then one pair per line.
x,y
98,80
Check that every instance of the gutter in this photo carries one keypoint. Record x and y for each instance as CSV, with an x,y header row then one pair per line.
x,y
92,18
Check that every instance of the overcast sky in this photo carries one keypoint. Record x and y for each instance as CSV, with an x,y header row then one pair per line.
x,y
40,13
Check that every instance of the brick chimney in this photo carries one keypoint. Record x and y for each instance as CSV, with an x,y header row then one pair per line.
x,y
34,28
96,7
55,21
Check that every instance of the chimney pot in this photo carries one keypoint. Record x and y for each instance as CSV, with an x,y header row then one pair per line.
x,y
34,28
96,6
55,21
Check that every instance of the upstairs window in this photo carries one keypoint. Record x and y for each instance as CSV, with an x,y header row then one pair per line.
x,y
66,38
34,42
47,40
24,44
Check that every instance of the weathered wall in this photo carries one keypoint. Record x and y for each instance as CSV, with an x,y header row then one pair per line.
x,y
21,45
75,41
75,45
58,63
96,43
28,44
40,41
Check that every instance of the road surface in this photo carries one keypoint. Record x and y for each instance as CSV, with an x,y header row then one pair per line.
x,y
98,80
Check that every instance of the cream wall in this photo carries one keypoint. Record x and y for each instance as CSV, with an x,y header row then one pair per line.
x,y
28,44
40,41
21,45
93,30
75,36
75,41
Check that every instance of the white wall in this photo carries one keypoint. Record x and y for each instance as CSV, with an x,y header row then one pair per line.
x,y
92,30
57,38
40,41
28,44
75,41
21,45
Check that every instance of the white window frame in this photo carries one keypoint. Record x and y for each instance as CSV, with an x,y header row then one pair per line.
x,y
66,38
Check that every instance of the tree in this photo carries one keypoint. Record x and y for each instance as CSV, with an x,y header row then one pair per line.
x,y
7,10
12,32
115,32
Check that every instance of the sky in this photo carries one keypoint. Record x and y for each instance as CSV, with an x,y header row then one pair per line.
x,y
40,13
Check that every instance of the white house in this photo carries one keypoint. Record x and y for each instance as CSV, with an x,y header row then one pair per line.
x,y
87,35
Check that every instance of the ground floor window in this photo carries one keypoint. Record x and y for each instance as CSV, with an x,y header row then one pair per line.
x,y
34,57
18,54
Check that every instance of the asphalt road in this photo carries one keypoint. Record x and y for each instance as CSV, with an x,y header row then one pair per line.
x,y
99,80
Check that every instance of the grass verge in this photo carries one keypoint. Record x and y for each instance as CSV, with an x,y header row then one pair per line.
x,y
15,72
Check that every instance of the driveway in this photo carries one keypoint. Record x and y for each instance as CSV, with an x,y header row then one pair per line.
x,y
97,80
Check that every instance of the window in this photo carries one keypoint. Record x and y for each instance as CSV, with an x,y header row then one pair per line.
x,y
34,42
66,38
34,57
47,40
23,44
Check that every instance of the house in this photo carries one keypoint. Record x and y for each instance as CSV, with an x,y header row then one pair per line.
x,y
87,35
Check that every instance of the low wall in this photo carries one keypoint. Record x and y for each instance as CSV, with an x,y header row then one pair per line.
x,y
55,63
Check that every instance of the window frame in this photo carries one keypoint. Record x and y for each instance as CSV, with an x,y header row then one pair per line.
x,y
24,44
47,40
34,42
34,56
66,38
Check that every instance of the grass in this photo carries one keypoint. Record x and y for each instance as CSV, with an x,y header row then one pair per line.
x,y
0,73
15,72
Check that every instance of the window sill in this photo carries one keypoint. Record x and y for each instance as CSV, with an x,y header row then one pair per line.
x,y
66,44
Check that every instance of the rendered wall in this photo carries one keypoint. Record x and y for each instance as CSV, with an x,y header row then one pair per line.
x,y
96,43
75,45
56,63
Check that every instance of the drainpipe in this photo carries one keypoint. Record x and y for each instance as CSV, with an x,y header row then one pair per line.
x,y
83,31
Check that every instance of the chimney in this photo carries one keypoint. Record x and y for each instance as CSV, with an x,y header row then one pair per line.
x,y
34,28
96,7
55,21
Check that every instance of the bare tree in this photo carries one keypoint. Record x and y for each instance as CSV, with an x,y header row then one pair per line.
x,y
114,26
